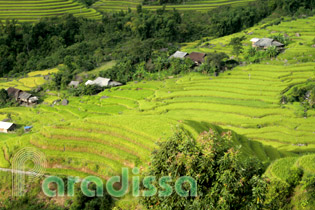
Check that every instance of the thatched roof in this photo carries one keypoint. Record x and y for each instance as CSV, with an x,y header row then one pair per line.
x,y
13,92
197,57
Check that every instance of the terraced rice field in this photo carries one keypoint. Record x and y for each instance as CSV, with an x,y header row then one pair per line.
x,y
299,50
99,135
30,10
32,80
202,5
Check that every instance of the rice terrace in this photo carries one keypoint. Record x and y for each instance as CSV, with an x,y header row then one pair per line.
x,y
221,91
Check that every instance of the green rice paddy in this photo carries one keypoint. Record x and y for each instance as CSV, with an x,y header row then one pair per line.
x,y
30,81
30,11
202,5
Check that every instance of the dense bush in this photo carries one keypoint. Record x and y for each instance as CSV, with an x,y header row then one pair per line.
x,y
85,90
304,93
215,62
277,195
255,55
225,179
82,202
295,176
281,38
5,100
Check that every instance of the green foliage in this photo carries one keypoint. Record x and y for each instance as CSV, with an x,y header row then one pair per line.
x,y
4,97
69,40
82,202
277,194
281,38
225,179
28,203
272,52
5,100
295,176
229,20
214,62
293,6
308,184
87,2
255,55
161,2
237,45
85,90
303,93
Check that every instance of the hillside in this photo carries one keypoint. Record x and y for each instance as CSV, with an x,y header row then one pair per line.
x,y
201,5
267,102
29,11
120,129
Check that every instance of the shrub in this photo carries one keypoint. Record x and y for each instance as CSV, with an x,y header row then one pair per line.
x,y
295,176
225,179
277,194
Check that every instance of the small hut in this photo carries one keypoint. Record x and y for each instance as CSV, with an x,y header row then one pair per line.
x,y
6,127
179,54
74,84
14,93
267,42
254,40
24,97
103,82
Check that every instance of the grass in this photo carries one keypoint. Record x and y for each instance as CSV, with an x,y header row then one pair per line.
x,y
30,11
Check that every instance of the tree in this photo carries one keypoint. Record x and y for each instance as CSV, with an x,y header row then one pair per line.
x,y
237,45
3,97
272,51
225,179
82,202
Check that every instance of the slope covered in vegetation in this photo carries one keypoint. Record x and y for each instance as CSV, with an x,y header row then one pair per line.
x,y
200,6
30,11
138,114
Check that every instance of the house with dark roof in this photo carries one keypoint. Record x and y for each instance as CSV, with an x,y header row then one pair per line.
x,y
21,96
13,92
267,42
197,57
